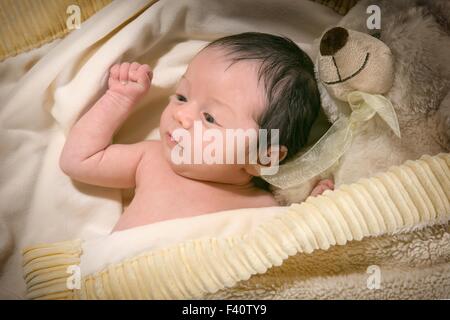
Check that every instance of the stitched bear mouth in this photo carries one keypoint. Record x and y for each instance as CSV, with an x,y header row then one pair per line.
x,y
350,76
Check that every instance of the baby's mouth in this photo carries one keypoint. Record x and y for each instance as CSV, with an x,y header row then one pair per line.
x,y
172,140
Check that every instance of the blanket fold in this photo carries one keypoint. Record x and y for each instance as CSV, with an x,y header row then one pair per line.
x,y
407,197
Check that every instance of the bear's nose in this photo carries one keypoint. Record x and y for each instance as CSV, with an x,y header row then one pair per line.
x,y
333,40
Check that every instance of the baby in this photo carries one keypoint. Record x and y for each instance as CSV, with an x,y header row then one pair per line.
x,y
245,81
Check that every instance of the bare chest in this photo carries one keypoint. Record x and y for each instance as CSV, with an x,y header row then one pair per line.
x,y
161,194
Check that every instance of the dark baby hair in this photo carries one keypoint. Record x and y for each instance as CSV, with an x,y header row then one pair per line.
x,y
293,99
291,89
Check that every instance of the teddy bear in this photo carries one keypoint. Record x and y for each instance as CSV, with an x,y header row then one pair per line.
x,y
405,66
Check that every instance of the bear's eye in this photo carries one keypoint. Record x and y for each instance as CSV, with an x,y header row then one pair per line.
x,y
376,34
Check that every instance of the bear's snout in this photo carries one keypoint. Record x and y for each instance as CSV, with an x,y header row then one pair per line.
x,y
333,40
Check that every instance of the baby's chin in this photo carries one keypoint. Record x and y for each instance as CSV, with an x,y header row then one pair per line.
x,y
184,171
209,173
218,173
195,172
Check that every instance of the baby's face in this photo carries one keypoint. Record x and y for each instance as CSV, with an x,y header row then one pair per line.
x,y
214,95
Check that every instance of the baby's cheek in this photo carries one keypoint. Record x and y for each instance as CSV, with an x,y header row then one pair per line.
x,y
230,147
165,117
213,148
241,151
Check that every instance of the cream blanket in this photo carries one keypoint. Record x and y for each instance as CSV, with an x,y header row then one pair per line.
x,y
385,237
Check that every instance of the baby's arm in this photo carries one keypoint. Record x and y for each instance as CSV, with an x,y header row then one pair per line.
x,y
88,155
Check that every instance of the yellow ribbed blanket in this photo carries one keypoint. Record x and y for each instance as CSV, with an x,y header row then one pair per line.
x,y
403,199
31,23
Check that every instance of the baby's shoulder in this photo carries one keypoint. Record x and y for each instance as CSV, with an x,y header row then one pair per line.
x,y
150,150
153,148
152,158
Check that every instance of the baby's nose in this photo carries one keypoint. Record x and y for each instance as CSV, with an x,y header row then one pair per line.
x,y
183,117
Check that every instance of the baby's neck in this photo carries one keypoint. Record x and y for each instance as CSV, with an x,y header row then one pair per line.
x,y
246,188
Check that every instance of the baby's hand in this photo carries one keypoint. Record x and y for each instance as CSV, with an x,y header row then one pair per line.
x,y
129,81
321,186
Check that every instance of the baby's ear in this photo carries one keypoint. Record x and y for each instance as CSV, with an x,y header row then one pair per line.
x,y
266,160
282,152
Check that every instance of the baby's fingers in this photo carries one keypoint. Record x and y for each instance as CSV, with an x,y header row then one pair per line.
x,y
123,74
144,75
322,186
317,190
134,67
328,183
114,72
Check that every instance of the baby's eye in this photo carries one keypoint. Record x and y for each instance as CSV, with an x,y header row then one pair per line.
x,y
209,118
181,98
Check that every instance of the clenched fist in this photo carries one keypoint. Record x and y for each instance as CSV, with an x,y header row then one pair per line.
x,y
129,82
